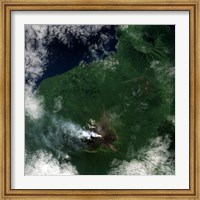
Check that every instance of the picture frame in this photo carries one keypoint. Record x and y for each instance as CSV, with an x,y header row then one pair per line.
x,y
7,6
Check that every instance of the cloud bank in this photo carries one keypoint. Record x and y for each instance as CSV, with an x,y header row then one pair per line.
x,y
43,163
153,159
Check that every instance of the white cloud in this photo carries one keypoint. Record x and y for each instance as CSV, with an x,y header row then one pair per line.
x,y
150,160
123,27
43,163
34,105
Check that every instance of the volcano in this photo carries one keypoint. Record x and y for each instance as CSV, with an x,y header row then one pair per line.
x,y
107,135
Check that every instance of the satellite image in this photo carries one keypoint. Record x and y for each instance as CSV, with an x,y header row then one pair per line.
x,y
99,100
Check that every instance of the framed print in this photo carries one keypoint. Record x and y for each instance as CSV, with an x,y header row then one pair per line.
x,y
99,99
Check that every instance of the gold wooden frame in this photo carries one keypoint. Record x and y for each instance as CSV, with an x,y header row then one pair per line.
x,y
7,6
